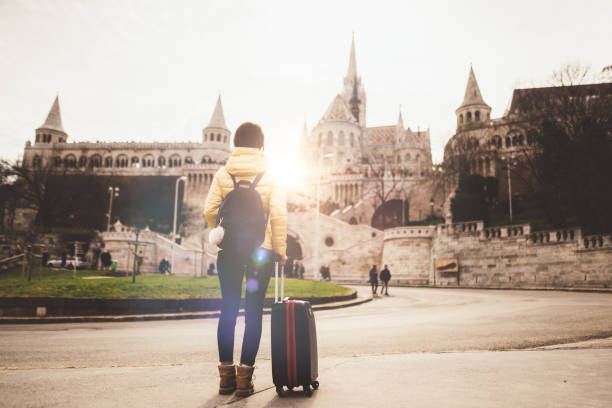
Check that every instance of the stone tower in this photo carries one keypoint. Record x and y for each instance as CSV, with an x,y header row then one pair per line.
x,y
473,109
52,130
216,134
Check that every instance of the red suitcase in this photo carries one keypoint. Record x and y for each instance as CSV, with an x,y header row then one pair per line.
x,y
294,342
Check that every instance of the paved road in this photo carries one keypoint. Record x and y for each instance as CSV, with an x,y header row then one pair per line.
x,y
425,347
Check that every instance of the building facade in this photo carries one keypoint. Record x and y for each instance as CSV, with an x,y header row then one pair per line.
x,y
370,174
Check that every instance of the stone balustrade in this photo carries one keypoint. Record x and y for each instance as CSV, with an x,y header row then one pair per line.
x,y
427,231
597,241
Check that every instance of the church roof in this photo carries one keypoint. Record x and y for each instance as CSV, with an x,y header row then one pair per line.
x,y
217,119
54,118
472,92
381,135
338,111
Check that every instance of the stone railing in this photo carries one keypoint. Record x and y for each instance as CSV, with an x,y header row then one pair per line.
x,y
509,231
566,235
468,228
597,241
423,231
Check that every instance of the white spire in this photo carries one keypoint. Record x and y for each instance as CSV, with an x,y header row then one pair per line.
x,y
217,119
472,91
352,67
400,120
54,118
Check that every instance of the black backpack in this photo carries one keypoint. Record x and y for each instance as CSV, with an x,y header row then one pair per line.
x,y
242,216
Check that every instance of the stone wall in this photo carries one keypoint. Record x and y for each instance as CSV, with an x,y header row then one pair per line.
x,y
188,259
500,257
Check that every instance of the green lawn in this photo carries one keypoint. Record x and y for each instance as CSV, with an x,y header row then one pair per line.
x,y
60,283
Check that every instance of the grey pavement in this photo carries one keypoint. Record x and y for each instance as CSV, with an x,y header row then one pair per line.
x,y
418,347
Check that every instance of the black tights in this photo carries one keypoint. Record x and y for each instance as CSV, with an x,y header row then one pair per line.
x,y
231,269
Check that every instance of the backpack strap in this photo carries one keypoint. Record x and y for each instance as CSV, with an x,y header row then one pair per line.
x,y
256,180
233,178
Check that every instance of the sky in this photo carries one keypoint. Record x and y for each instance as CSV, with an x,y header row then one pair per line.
x,y
152,70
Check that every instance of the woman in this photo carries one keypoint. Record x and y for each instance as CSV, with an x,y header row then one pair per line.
x,y
245,163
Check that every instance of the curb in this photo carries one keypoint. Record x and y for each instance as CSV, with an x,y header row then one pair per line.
x,y
523,288
163,316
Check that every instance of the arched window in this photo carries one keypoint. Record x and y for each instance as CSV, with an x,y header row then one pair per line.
x,y
95,161
469,117
174,161
513,140
57,161
121,161
205,159
521,140
161,161
352,139
205,137
461,119
135,161
341,138
508,142
224,139
218,137
82,161
108,161
477,116
407,158
36,161
330,139
37,138
70,161
148,161
188,160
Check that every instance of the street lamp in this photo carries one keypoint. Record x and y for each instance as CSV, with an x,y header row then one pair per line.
x,y
183,178
112,192
509,163
316,248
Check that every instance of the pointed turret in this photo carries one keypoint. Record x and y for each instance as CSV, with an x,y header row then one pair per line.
x,y
473,108
400,120
217,119
217,130
472,92
52,131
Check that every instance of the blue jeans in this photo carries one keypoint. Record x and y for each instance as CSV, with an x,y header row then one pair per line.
x,y
232,268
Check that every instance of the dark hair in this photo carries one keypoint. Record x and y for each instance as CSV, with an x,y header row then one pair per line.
x,y
249,135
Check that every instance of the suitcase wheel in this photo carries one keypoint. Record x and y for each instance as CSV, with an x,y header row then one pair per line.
x,y
307,390
315,385
290,387
279,390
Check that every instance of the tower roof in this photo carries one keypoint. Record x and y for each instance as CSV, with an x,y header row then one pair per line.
x,y
217,120
352,67
472,92
54,118
400,120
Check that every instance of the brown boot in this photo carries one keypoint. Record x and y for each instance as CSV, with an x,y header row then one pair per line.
x,y
227,378
244,381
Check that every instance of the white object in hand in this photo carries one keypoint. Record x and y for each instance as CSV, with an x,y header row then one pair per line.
x,y
216,235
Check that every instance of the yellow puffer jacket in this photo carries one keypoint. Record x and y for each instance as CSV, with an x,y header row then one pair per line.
x,y
245,163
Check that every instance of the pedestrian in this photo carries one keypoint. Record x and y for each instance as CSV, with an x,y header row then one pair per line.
x,y
248,167
385,277
64,258
374,279
96,257
45,257
322,272
296,269
105,260
211,269
163,266
302,270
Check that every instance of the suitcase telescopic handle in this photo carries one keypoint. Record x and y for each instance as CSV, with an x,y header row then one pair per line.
x,y
282,290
